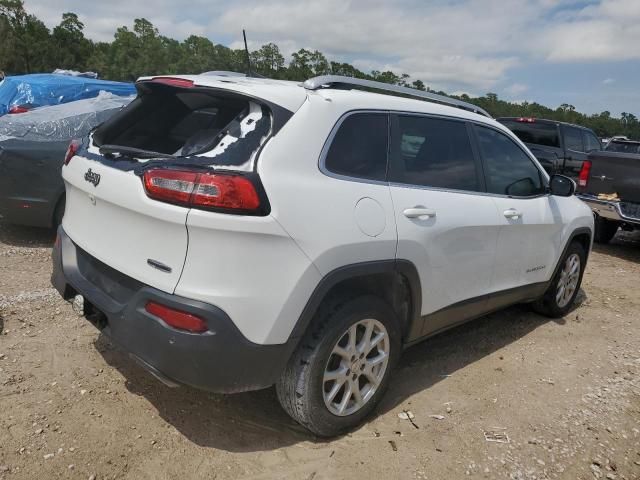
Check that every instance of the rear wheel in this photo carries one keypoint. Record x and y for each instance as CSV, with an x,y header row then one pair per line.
x,y
342,367
605,230
561,294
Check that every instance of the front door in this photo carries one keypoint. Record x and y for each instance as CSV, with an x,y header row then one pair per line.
x,y
447,226
530,223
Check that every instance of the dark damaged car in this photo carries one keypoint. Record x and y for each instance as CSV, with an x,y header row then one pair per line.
x,y
32,151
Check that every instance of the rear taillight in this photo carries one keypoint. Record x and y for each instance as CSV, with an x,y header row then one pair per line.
x,y
583,176
74,145
177,318
526,120
18,109
202,190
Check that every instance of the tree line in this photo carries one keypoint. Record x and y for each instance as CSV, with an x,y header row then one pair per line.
x,y
28,46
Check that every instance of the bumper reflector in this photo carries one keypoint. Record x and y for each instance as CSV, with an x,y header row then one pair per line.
x,y
177,318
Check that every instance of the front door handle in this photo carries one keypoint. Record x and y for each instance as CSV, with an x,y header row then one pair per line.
x,y
417,212
512,213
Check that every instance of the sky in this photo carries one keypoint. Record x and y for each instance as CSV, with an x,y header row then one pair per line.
x,y
582,52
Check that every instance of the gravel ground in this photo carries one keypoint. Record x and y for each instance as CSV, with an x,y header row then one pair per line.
x,y
561,397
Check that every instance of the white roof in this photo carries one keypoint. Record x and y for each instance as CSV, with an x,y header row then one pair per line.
x,y
291,95
358,99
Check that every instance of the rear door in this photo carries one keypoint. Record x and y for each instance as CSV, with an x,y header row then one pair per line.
x,y
446,225
530,223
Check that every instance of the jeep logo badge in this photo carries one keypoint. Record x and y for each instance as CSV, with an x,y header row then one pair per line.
x,y
92,177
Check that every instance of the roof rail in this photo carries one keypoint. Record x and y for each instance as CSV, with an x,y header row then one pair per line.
x,y
316,83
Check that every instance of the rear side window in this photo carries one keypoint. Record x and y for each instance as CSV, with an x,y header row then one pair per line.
x,y
360,146
534,132
433,152
508,169
573,139
591,142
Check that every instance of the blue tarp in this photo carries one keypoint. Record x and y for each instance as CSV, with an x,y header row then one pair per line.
x,y
40,90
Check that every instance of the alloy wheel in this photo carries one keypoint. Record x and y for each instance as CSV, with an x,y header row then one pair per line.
x,y
568,281
356,367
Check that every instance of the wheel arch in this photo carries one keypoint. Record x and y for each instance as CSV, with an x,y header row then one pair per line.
x,y
584,236
404,296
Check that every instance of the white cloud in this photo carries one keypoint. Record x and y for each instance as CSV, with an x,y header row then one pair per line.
x,y
608,81
608,30
450,45
516,89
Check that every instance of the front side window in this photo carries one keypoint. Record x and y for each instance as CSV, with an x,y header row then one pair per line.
x,y
360,146
433,152
508,169
573,139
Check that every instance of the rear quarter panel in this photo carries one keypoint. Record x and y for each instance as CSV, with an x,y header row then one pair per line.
x,y
318,210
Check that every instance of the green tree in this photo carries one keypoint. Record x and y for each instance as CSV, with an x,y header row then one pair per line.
x,y
306,64
27,41
28,46
72,48
418,85
268,61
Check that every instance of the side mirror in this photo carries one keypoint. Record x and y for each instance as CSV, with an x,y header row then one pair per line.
x,y
561,186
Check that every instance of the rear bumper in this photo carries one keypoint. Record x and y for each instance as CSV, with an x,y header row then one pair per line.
x,y
609,209
219,360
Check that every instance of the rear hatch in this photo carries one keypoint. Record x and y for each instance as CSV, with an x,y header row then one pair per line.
x,y
130,185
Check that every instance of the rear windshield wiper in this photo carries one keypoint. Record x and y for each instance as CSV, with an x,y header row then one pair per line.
x,y
132,152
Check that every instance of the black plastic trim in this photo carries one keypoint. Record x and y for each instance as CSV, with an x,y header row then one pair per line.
x,y
219,360
364,269
574,234
467,310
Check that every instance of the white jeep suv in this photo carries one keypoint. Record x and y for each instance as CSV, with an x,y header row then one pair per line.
x,y
234,233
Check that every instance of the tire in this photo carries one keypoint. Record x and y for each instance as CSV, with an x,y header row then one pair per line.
x,y
58,213
553,303
303,391
605,230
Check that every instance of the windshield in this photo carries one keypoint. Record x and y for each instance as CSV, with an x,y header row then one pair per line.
x,y
534,132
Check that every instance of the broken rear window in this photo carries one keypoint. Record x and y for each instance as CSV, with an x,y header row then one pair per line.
x,y
216,127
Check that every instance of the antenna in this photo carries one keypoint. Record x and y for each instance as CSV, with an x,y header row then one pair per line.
x,y
246,49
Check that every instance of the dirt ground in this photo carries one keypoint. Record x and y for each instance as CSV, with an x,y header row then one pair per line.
x,y
565,393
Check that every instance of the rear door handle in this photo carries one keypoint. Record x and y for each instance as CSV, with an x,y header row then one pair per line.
x,y
417,212
512,213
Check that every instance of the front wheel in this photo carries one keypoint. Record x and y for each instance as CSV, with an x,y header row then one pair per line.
x,y
342,367
561,294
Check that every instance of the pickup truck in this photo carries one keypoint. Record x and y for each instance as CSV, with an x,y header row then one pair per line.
x,y
609,182
560,147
